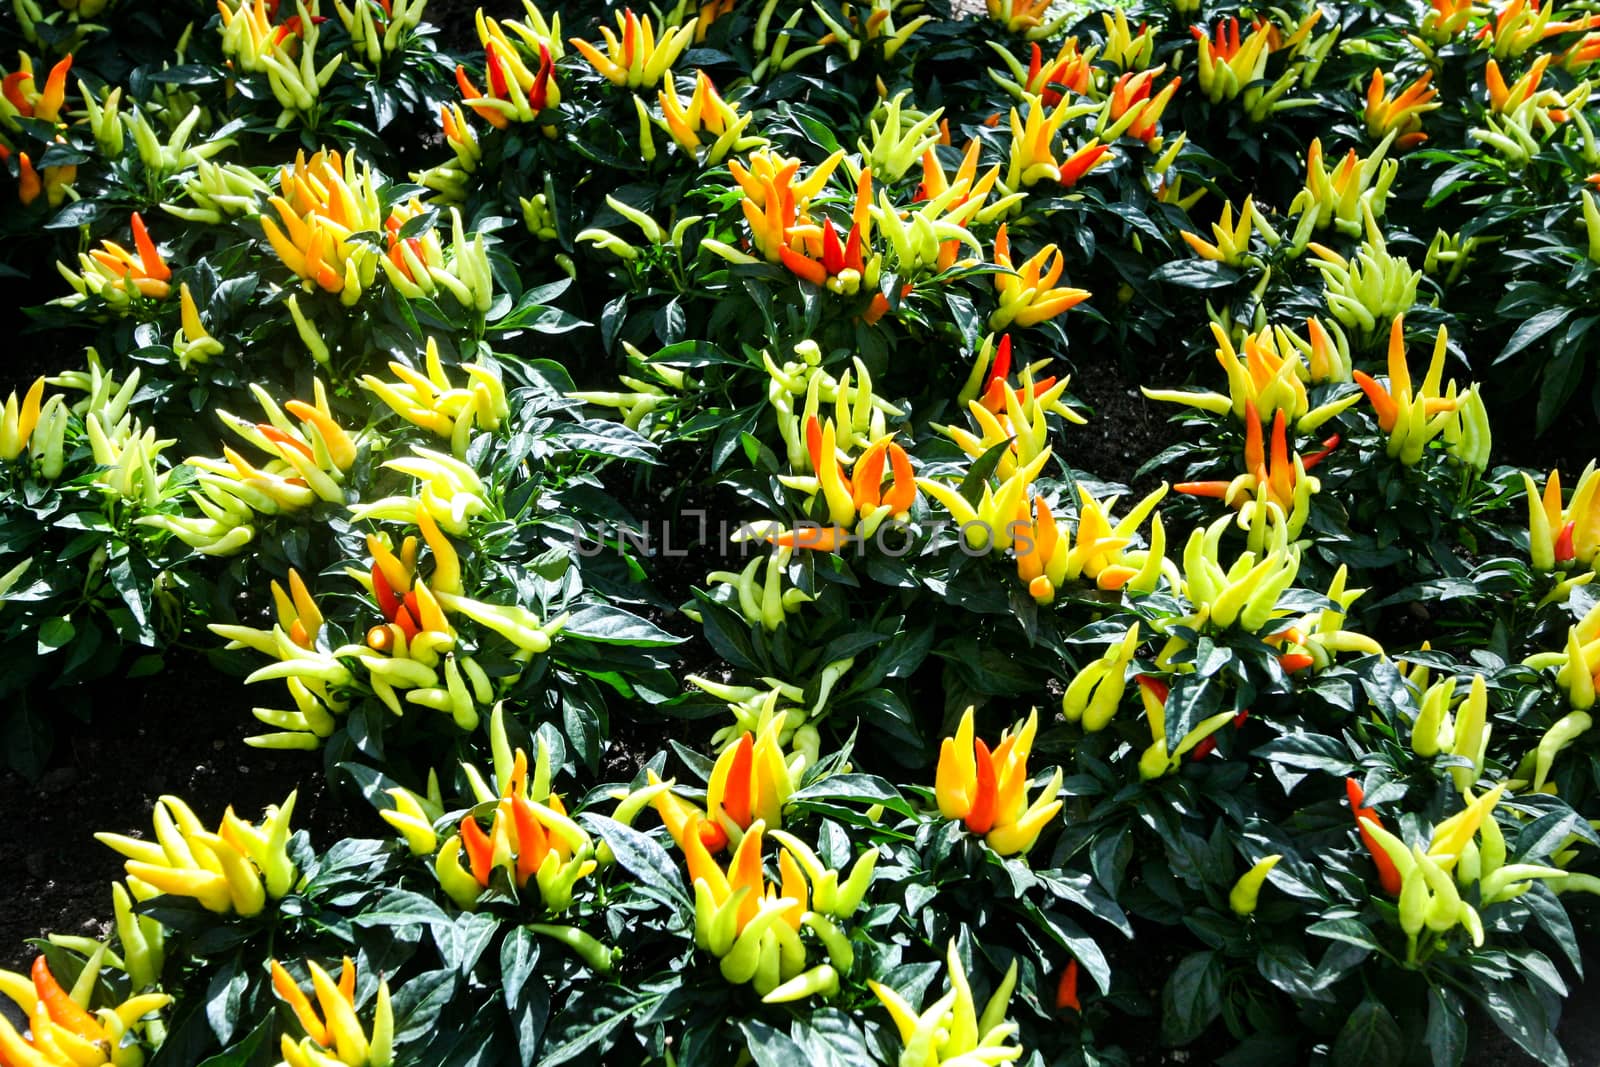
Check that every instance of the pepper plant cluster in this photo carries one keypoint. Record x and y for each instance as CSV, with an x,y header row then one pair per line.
x,y
646,454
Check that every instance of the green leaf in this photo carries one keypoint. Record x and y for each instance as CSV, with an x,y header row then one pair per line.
x,y
1191,998
971,487
1557,383
1369,1038
1286,967
612,625
77,214
770,1047
1193,698
55,633
1531,330
1310,752
1521,1017
403,908
1195,274
223,997
831,1036
470,935
1544,835
245,1051
62,155
643,858
530,314
694,353
1446,1036
863,788
583,713
589,1020
419,224
418,1003
527,996
1350,931
1551,915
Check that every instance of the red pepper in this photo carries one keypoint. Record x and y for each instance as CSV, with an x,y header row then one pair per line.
x,y
1002,357
1327,449
1388,873
1208,745
149,258
1067,988
538,96
408,625
387,602
533,844
497,76
832,249
11,88
736,795
1565,552
480,851
63,1010
1291,662
1158,689
711,835
980,820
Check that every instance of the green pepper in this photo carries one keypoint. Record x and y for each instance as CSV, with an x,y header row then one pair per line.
x,y
589,949
821,979
1242,898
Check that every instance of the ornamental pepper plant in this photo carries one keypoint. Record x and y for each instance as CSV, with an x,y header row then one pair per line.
x,y
656,465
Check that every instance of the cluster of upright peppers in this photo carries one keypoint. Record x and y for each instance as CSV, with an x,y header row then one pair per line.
x,y
334,1036
118,277
284,53
988,790
531,838
753,928
429,400
1563,536
1414,417
62,1031
322,202
236,869
310,454
951,1030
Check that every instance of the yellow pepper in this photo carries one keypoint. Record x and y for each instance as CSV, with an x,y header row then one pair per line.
x,y
337,1028
988,791
634,58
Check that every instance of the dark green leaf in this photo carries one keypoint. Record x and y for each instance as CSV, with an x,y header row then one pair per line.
x,y
1531,330
244,1052
1310,752
1369,1038
971,488
770,1047
1195,274
1191,998
864,788
643,858
1446,1035
612,625
527,999
1516,1010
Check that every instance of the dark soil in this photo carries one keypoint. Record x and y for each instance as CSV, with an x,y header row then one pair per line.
x,y
180,732
1125,430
